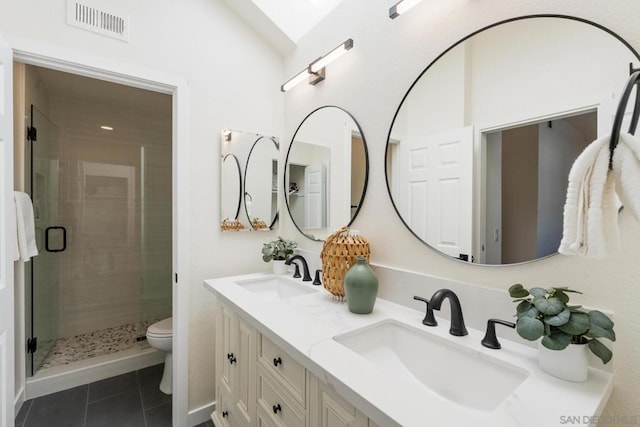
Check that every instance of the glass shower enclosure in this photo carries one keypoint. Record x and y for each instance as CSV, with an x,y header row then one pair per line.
x,y
42,276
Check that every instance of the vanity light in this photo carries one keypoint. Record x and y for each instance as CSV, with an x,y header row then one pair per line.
x,y
336,53
401,7
315,72
302,75
106,127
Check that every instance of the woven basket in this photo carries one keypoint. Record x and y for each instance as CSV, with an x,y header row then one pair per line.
x,y
258,224
339,253
231,225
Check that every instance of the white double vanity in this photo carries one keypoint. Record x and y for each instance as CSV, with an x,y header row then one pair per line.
x,y
288,354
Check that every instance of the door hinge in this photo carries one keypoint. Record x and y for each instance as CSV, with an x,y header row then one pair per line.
x,y
176,277
32,345
32,133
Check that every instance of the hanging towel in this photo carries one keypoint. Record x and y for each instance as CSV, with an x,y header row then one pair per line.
x,y
626,171
25,225
590,225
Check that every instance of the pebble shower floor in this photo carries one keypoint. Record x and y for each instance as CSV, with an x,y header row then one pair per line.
x,y
96,343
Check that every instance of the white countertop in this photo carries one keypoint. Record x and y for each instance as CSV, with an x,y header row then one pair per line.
x,y
304,327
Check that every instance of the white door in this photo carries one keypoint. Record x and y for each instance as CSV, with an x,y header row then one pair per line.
x,y
435,183
7,234
315,196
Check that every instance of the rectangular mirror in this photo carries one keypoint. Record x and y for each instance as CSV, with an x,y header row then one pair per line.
x,y
248,181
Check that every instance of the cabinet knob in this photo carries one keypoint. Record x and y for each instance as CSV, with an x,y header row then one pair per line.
x,y
277,408
232,358
225,414
229,356
277,361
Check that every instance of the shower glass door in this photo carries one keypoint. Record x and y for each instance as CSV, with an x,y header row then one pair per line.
x,y
42,270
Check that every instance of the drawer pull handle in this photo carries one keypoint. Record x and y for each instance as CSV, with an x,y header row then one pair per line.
x,y
232,358
225,414
277,361
229,356
277,408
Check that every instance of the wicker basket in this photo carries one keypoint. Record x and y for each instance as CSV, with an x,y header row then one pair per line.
x,y
258,224
231,225
339,253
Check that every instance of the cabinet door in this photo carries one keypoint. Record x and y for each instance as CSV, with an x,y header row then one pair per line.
x,y
328,409
225,343
245,385
225,414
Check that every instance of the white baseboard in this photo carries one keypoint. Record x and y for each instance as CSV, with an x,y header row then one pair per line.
x,y
201,414
19,401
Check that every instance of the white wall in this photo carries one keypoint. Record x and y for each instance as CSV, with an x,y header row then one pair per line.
x,y
370,82
203,42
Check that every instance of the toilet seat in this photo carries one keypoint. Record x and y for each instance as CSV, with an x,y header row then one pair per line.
x,y
161,329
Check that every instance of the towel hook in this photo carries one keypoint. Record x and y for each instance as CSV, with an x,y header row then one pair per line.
x,y
634,79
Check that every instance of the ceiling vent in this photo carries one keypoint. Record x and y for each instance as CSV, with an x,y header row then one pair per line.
x,y
97,19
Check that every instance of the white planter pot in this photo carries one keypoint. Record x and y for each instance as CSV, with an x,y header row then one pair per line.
x,y
279,267
571,364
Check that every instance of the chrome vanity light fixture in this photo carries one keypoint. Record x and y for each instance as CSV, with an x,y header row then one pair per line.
x,y
315,72
401,7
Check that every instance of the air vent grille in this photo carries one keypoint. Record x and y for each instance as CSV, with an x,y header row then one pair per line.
x,y
97,19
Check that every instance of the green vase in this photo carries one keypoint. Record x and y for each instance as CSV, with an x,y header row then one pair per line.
x,y
361,287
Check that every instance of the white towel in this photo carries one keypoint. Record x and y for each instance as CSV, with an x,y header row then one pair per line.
x,y
626,170
590,225
25,226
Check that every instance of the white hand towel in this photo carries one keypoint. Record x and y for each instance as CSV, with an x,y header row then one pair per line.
x,y
26,232
626,170
590,226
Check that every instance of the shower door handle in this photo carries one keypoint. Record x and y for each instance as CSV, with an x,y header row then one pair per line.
x,y
47,240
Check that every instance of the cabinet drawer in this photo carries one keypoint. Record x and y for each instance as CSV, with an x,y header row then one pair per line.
x,y
272,400
284,368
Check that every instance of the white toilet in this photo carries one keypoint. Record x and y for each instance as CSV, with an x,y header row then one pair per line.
x,y
160,337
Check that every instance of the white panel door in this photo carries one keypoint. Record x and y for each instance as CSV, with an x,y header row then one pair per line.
x,y
315,196
436,189
7,234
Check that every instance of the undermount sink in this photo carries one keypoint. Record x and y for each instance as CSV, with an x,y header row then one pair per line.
x,y
454,372
275,287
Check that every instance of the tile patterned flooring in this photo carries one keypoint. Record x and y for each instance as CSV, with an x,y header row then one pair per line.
x,y
128,400
95,343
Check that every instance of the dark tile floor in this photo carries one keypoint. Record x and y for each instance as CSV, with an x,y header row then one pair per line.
x,y
128,400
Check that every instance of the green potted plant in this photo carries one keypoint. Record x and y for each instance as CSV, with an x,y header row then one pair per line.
x,y
278,251
565,329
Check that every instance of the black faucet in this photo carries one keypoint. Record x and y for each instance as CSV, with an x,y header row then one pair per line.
x,y
316,280
490,340
457,322
305,266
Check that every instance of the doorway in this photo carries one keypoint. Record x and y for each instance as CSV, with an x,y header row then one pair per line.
x,y
139,77
526,171
100,180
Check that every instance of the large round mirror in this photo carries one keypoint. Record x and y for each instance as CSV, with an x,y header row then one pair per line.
x,y
260,183
479,150
231,191
326,172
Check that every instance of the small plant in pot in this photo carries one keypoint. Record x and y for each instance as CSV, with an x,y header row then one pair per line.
x,y
278,251
545,313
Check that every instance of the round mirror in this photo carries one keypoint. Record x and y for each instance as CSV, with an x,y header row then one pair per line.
x,y
260,184
479,150
326,172
231,191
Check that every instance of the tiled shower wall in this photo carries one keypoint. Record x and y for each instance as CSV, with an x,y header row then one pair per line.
x,y
115,202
